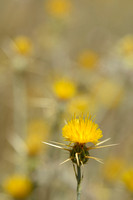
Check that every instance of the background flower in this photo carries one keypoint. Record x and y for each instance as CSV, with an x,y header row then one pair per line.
x,y
18,186
64,89
127,179
22,45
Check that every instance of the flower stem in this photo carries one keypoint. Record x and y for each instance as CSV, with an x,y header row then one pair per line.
x,y
78,181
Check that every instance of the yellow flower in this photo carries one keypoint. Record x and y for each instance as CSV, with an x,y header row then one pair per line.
x,y
124,48
109,93
59,8
113,168
80,130
88,59
64,89
22,45
36,133
78,105
126,45
18,186
33,143
37,126
82,104
128,179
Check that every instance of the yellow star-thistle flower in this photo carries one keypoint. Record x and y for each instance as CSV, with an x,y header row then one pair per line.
x,y
18,186
64,89
80,130
88,59
113,168
59,8
126,45
108,92
23,45
36,132
82,104
34,146
128,179
124,48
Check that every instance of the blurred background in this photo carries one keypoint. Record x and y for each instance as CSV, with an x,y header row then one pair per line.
x,y
57,58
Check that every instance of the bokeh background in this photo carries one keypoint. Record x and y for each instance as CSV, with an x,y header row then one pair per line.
x,y
57,58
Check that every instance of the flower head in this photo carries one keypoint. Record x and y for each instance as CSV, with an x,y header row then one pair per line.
x,y
59,8
33,143
128,179
80,130
22,45
18,186
109,93
124,48
88,59
113,169
64,89
36,132
78,105
126,45
82,104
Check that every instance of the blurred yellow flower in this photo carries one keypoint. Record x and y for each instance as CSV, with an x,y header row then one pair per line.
x,y
59,8
82,104
80,130
78,105
22,45
113,168
37,126
88,59
18,186
64,89
37,131
125,49
126,45
128,179
109,93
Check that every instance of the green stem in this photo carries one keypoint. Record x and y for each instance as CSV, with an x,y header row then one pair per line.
x,y
78,181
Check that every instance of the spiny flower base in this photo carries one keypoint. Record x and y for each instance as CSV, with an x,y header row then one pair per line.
x,y
79,154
